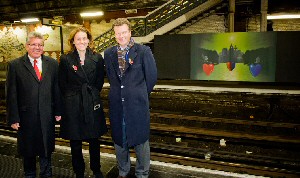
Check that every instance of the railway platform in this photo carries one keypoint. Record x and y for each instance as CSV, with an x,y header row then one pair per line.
x,y
11,165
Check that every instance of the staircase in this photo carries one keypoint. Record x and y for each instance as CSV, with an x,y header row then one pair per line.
x,y
174,14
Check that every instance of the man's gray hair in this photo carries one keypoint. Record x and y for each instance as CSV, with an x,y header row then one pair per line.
x,y
34,35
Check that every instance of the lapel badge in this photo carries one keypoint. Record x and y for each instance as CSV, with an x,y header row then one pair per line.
x,y
75,68
130,61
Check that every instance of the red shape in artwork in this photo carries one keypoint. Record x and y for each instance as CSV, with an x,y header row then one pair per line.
x,y
208,68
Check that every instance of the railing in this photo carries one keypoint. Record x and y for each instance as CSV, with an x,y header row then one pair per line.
x,y
105,40
169,12
143,26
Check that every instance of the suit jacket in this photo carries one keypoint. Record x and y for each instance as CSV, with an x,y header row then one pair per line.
x,y
129,94
33,104
81,87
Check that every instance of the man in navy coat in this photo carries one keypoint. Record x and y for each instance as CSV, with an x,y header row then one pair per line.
x,y
33,104
132,74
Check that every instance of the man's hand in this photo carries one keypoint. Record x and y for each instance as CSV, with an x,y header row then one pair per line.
x,y
15,126
57,118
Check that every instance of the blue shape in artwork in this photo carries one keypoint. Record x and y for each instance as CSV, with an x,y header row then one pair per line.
x,y
255,69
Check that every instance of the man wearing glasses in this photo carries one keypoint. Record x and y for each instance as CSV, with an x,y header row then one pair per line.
x,y
33,102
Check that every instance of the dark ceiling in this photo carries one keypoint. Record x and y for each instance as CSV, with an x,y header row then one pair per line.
x,y
11,10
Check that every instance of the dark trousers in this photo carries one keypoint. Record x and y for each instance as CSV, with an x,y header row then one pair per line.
x,y
78,160
29,164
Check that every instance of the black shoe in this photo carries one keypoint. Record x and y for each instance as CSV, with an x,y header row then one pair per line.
x,y
98,175
79,175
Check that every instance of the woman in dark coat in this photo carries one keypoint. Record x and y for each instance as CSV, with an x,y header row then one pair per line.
x,y
81,77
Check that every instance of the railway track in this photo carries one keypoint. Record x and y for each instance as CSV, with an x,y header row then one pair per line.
x,y
187,128
185,156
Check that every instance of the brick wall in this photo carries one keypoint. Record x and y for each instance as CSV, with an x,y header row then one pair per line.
x,y
286,25
216,24
210,24
277,25
253,24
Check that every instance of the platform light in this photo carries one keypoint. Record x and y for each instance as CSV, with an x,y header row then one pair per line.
x,y
283,16
30,20
91,14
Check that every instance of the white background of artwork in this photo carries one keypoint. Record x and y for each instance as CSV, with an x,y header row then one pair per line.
x,y
12,42
13,38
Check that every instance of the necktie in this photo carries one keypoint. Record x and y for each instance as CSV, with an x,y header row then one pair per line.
x,y
36,69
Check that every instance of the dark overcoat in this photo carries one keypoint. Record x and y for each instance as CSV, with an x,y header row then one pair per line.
x,y
33,104
80,95
129,93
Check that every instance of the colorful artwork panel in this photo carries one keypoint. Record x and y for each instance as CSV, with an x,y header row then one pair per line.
x,y
234,57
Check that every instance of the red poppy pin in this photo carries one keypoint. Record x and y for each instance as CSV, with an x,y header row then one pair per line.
x,y
130,61
75,68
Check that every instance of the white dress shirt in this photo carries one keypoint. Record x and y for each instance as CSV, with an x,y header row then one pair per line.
x,y
39,62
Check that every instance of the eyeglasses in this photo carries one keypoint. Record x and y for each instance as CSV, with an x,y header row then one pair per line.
x,y
36,45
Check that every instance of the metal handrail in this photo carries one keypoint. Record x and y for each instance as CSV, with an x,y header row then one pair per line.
x,y
142,26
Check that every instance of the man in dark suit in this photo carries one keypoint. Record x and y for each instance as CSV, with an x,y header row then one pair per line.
x,y
132,74
33,105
